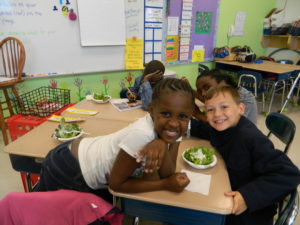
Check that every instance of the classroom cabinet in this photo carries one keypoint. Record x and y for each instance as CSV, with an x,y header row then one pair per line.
x,y
281,41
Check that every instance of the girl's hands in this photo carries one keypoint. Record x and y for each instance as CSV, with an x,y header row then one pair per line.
x,y
153,153
239,204
177,182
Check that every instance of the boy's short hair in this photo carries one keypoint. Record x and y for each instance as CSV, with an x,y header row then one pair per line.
x,y
221,89
153,66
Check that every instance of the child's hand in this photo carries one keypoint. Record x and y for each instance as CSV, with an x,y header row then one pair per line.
x,y
153,78
177,182
154,153
239,204
131,97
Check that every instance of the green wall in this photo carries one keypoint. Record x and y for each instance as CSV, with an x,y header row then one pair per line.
x,y
255,9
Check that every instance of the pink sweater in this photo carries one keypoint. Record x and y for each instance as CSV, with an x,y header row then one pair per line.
x,y
63,207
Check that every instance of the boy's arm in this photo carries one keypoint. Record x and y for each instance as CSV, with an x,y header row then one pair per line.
x,y
121,180
200,129
276,176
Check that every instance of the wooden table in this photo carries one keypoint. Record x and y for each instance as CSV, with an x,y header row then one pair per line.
x,y
186,207
266,66
282,71
27,152
107,111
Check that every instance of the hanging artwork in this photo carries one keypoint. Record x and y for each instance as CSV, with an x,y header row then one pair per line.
x,y
203,22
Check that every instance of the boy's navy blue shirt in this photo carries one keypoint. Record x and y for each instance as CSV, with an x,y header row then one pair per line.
x,y
260,173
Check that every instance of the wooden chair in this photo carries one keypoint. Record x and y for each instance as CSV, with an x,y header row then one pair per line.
x,y
12,60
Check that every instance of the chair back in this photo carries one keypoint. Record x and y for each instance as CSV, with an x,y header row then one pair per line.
x,y
282,127
12,60
285,61
289,212
250,80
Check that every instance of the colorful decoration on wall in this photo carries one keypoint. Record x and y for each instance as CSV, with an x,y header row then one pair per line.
x,y
172,48
203,22
129,79
68,13
106,86
78,84
53,83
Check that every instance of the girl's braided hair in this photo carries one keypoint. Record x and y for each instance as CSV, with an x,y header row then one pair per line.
x,y
172,85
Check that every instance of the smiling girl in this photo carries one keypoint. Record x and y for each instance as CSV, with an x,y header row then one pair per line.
x,y
88,164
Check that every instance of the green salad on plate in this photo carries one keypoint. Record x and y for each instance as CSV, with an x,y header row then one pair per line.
x,y
67,130
200,155
100,97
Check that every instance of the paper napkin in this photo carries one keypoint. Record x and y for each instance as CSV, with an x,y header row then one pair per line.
x,y
199,183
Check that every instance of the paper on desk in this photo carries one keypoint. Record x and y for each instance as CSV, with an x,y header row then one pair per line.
x,y
80,111
199,183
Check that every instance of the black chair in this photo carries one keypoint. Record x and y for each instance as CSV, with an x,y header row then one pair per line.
x,y
282,127
252,81
202,68
289,211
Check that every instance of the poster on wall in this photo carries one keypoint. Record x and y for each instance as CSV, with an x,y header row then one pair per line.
x,y
196,27
153,30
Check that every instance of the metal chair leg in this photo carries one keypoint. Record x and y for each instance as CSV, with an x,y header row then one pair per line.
x,y
135,220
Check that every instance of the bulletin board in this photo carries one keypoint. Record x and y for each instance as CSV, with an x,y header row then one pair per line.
x,y
191,26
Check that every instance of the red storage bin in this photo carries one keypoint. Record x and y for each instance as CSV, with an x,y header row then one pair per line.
x,y
19,125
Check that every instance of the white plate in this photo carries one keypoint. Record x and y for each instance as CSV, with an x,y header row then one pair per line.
x,y
69,139
196,166
101,101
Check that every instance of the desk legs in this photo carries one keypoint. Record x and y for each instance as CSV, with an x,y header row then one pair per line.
x,y
290,92
169,214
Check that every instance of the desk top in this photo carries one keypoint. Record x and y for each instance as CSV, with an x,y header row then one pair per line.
x,y
38,142
215,202
107,111
266,66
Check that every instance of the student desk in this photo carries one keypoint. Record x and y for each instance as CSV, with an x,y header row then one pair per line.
x,y
185,207
107,111
282,71
266,66
26,153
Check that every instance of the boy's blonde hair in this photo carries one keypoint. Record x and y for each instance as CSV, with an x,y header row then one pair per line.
x,y
221,89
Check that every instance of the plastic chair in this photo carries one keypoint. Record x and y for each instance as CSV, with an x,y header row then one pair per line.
x,y
282,127
288,213
12,60
285,61
202,68
252,81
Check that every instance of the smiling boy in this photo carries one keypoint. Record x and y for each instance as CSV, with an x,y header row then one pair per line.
x,y
259,175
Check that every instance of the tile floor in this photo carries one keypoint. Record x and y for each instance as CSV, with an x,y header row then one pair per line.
x,y
10,180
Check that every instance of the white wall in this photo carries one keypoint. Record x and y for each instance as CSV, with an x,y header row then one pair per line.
x,y
291,14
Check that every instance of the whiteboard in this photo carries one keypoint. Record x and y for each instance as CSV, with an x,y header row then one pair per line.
x,y
52,41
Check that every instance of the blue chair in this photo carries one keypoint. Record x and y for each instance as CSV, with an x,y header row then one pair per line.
x,y
289,209
285,61
252,81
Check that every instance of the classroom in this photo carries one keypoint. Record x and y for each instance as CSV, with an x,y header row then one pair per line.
x,y
86,57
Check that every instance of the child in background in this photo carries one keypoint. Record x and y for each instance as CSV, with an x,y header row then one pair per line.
x,y
259,175
88,164
144,84
212,78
